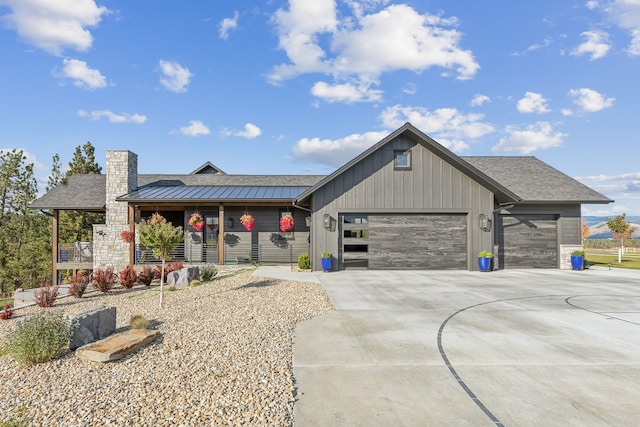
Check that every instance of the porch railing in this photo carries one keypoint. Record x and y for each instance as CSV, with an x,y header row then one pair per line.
x,y
77,252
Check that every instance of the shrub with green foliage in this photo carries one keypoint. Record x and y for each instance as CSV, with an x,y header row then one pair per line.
x,y
127,277
194,283
208,273
46,295
103,280
304,261
39,339
138,321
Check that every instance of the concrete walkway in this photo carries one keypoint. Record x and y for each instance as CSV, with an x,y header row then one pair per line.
x,y
520,347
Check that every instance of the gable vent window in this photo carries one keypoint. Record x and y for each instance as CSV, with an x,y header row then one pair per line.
x,y
402,160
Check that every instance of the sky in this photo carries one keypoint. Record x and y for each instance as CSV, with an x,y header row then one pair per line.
x,y
302,87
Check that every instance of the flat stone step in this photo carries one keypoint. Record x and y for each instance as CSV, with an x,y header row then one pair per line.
x,y
117,346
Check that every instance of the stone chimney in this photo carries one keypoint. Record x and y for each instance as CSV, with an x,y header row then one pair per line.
x,y
122,177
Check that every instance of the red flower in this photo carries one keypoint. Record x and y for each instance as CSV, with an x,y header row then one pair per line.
x,y
247,221
286,223
196,221
127,236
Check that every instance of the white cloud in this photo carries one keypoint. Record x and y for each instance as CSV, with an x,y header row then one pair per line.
x,y
479,99
227,25
448,126
626,14
532,103
347,92
410,89
361,47
250,131
81,75
597,45
195,128
54,25
589,100
113,117
602,177
534,137
335,152
175,78
592,4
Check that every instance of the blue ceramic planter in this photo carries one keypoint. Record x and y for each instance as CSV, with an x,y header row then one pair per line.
x,y
326,264
484,264
577,262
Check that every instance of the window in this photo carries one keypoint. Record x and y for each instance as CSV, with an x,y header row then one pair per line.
x,y
402,160
356,219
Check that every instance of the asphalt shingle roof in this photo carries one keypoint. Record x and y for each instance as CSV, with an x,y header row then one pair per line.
x,y
535,181
78,192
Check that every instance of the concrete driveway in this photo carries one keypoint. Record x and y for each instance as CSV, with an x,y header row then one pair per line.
x,y
513,348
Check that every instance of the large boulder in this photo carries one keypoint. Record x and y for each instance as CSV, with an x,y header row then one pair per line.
x,y
181,278
92,325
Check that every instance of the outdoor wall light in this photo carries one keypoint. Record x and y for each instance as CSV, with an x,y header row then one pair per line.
x,y
329,222
230,222
484,222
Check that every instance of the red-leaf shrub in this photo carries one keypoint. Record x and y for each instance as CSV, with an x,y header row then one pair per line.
x,y
46,296
79,284
145,276
168,268
103,280
6,313
128,277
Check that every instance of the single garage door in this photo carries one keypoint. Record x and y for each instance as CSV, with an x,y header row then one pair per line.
x,y
528,241
405,241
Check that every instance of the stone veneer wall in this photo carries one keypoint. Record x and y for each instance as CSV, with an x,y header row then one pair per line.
x,y
565,255
122,177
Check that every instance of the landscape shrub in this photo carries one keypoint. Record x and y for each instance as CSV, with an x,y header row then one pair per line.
x,y
7,313
103,280
46,295
194,283
304,262
208,273
168,268
39,339
79,284
128,277
171,288
146,276
138,321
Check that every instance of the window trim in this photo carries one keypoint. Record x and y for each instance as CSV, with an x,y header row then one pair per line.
x,y
398,167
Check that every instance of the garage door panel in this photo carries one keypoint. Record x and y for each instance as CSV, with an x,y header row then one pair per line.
x,y
528,241
417,241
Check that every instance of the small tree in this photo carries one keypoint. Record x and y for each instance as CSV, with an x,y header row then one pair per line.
x,y
161,237
621,230
585,231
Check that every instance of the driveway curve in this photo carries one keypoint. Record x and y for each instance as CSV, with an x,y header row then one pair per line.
x,y
523,347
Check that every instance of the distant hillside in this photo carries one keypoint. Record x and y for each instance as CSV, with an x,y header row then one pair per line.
x,y
599,229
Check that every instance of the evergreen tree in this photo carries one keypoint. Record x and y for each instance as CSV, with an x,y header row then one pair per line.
x,y
75,226
56,176
25,238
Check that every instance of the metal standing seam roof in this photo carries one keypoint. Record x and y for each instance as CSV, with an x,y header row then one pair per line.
x,y
222,192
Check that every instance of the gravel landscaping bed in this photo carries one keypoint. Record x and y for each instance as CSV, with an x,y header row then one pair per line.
x,y
224,358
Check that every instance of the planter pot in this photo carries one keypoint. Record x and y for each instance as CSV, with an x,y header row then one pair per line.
x,y
64,255
484,263
326,264
577,262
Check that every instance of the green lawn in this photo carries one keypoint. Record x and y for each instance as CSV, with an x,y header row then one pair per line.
x,y
631,262
4,301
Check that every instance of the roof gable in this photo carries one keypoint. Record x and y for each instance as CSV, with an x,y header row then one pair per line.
x,y
503,194
208,168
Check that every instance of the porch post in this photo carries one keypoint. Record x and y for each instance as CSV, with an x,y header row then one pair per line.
x,y
132,229
54,247
221,234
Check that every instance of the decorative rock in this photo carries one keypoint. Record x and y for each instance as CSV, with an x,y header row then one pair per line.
x,y
182,277
92,325
116,346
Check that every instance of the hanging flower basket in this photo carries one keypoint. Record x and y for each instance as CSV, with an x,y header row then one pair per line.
x,y
247,221
196,221
127,236
286,223
156,218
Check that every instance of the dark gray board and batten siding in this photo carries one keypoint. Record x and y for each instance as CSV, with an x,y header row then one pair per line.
x,y
373,186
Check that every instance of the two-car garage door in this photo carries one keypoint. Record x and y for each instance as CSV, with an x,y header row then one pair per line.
x,y
405,241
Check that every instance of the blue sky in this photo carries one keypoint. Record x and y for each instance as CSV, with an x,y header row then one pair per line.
x,y
303,86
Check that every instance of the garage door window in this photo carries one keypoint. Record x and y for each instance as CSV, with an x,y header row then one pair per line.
x,y
355,233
